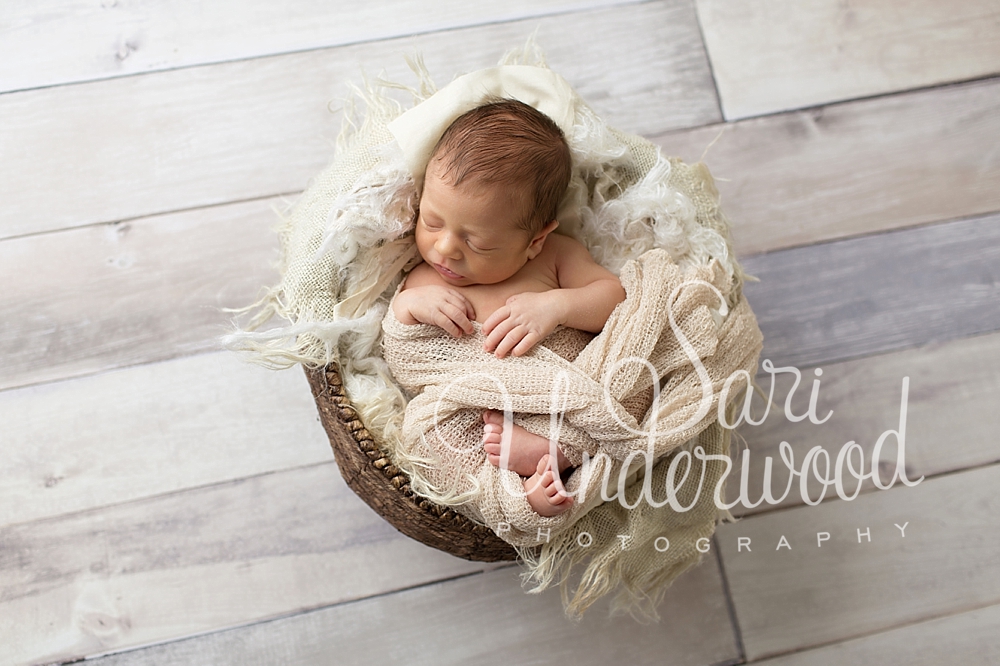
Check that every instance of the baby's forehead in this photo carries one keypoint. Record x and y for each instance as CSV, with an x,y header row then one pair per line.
x,y
508,202
512,200
477,184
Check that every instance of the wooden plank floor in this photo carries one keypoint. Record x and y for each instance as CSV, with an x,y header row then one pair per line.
x,y
777,55
479,619
162,502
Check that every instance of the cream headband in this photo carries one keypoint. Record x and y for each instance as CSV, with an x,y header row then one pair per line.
x,y
418,130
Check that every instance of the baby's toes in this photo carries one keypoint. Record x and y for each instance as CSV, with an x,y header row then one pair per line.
x,y
551,489
533,484
554,494
547,480
493,452
493,416
561,499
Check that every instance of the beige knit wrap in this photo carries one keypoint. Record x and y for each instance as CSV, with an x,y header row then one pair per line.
x,y
453,380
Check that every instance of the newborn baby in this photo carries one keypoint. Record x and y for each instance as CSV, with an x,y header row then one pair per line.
x,y
484,230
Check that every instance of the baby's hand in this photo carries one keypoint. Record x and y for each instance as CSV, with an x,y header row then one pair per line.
x,y
522,323
439,306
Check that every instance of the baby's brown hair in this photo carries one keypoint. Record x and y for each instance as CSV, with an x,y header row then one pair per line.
x,y
507,142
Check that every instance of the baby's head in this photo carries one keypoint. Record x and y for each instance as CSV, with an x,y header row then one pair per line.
x,y
491,193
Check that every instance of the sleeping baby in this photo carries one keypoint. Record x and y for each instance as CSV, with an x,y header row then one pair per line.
x,y
484,230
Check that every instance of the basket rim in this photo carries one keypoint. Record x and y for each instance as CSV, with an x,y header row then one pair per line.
x,y
370,473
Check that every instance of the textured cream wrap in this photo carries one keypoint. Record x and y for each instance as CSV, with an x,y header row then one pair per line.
x,y
452,380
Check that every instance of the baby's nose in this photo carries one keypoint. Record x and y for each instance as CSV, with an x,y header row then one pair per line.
x,y
448,246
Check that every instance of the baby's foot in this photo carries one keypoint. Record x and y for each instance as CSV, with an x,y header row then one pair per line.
x,y
526,448
543,491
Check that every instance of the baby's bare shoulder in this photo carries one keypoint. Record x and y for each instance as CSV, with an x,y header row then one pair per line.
x,y
575,266
564,242
565,250
565,246
421,276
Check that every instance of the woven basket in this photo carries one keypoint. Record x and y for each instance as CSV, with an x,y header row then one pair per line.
x,y
386,489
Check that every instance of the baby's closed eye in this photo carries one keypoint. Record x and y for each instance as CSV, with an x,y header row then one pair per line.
x,y
478,246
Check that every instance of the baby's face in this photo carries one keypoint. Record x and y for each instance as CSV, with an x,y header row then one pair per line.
x,y
469,234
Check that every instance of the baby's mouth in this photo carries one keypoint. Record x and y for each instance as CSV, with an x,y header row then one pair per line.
x,y
447,273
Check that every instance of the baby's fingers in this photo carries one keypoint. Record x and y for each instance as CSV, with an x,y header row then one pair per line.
x,y
451,318
470,312
510,341
467,314
497,336
526,343
443,321
494,319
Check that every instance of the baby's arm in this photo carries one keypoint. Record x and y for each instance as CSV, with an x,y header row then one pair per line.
x,y
589,291
586,296
426,303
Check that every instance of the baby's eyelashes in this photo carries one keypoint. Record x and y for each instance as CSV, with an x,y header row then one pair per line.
x,y
475,247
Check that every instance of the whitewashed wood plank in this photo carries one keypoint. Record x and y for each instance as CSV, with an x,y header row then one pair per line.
x,y
141,145
106,296
969,639
860,296
483,619
775,55
153,429
198,561
854,168
53,42
951,419
803,596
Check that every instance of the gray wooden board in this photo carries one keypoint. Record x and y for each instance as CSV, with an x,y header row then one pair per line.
x,y
151,289
105,296
854,168
774,55
480,619
50,42
951,417
202,560
860,296
134,146
804,595
205,559
152,429
968,638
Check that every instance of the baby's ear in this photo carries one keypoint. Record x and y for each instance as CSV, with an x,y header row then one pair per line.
x,y
536,244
